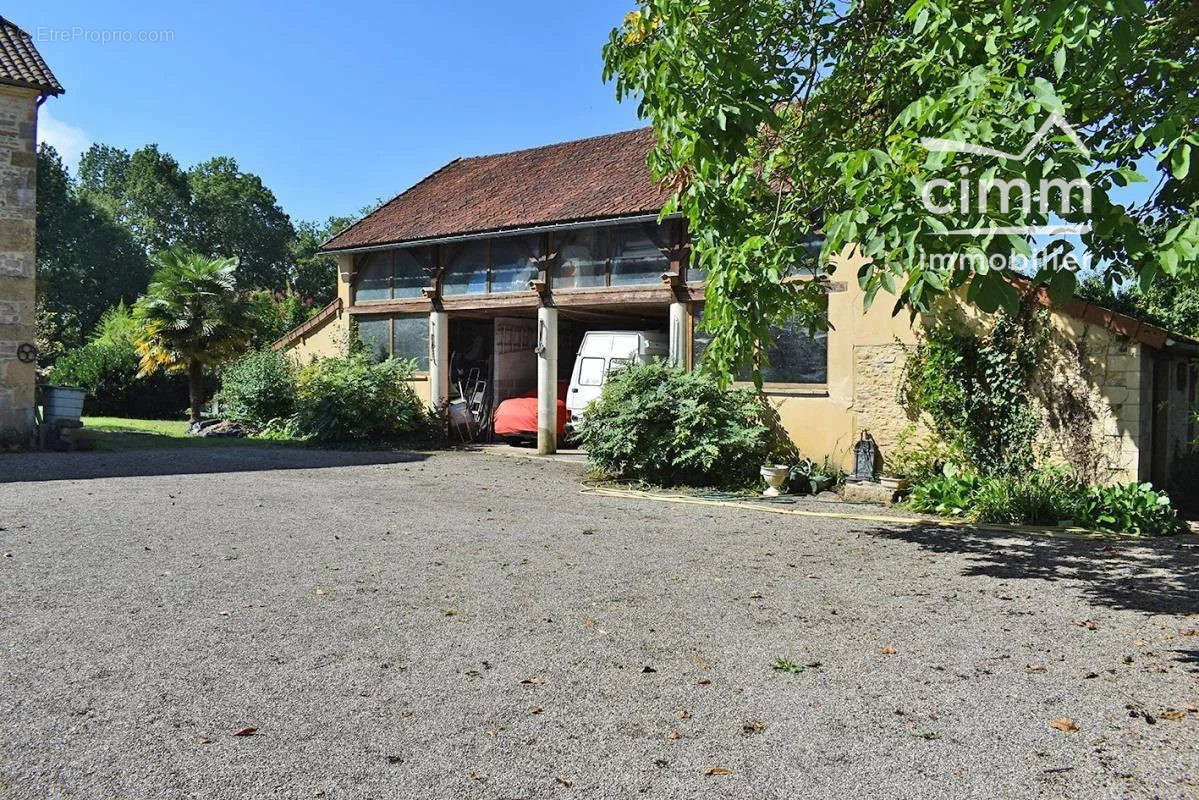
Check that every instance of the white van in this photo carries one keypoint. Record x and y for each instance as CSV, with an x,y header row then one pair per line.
x,y
603,351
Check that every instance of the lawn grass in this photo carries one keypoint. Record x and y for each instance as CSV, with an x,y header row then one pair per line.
x,y
116,434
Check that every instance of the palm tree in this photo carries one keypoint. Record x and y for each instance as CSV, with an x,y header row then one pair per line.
x,y
190,317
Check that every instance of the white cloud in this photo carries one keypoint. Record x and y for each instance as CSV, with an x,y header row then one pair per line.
x,y
69,141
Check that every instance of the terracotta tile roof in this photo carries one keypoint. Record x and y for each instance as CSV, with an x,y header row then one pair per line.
x,y
596,178
1138,330
20,63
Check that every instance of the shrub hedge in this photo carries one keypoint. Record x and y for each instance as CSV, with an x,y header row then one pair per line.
x,y
665,426
259,387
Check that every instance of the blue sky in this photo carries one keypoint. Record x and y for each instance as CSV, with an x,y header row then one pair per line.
x,y
333,105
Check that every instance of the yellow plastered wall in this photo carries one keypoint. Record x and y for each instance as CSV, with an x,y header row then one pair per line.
x,y
866,359
865,362
331,338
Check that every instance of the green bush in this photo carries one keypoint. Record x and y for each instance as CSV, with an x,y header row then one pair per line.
x,y
919,459
1047,497
1129,508
259,387
1041,497
666,426
350,399
950,493
108,371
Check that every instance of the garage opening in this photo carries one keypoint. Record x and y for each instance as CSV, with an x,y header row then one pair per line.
x,y
493,365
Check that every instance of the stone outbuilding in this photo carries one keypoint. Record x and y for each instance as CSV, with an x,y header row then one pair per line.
x,y
25,83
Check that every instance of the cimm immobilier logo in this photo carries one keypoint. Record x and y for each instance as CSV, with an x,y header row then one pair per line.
x,y
940,196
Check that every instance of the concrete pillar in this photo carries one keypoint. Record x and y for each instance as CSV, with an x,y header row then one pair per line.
x,y
439,358
547,381
678,334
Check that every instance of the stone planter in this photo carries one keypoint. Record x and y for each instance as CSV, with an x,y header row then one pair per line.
x,y
894,484
775,476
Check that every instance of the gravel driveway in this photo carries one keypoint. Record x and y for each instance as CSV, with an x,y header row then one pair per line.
x,y
471,626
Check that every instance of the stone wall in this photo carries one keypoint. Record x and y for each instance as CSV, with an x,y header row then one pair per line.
x,y
18,220
878,375
1093,378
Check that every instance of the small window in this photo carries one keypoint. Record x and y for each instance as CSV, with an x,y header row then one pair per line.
x,y
591,372
583,259
375,333
514,262
466,269
412,267
410,339
374,278
640,253
796,356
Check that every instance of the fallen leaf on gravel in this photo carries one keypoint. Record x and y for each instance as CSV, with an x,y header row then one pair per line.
x,y
683,713
710,771
647,669
474,776
320,592
536,710
703,682
405,714
450,612
203,740
888,650
1174,715
1188,631
1035,668
1065,724
248,731
753,727
674,735
1139,643
395,759
532,681
1091,675
1194,709
567,782
755,595
1089,624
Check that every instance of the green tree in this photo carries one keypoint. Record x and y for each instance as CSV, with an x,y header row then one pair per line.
x,y
314,275
191,317
147,192
86,260
779,118
234,212
213,207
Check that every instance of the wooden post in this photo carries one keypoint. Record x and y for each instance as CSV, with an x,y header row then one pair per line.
x,y
547,380
678,334
439,359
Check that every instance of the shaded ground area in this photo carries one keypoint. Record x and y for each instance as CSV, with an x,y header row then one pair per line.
x,y
467,626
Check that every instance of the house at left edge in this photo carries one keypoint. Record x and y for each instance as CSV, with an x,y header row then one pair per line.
x,y
25,83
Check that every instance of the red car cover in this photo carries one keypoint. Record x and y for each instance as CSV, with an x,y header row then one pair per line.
x,y
517,416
